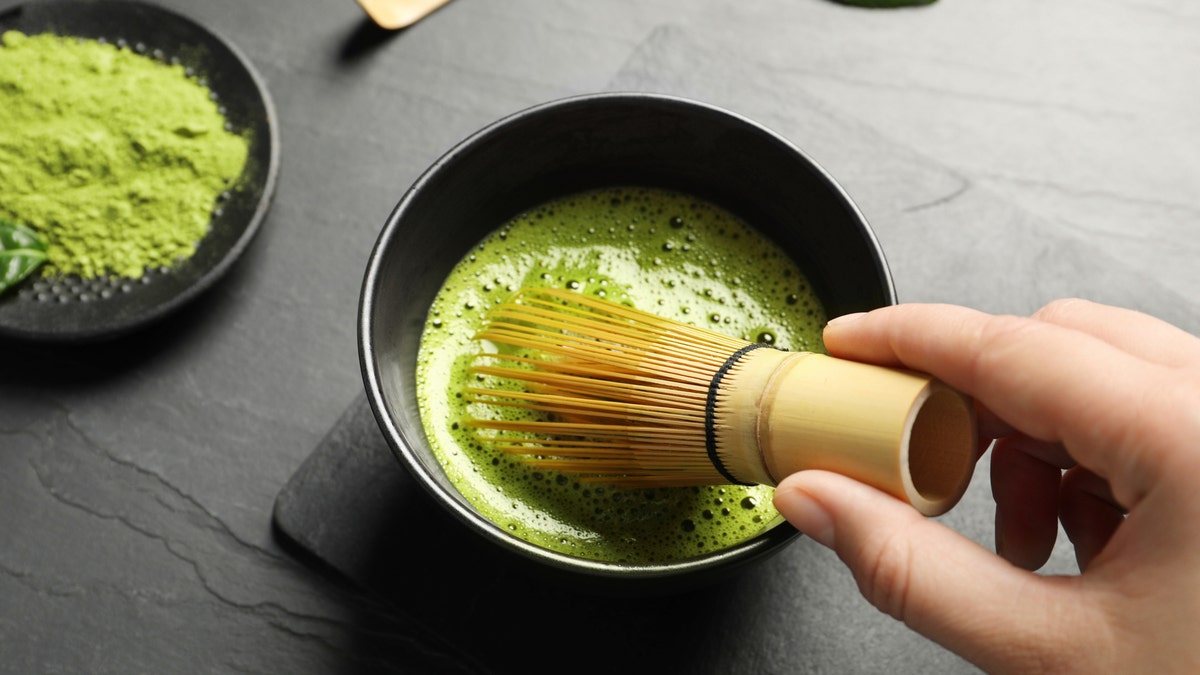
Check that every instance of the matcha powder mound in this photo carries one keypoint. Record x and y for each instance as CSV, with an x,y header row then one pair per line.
x,y
116,159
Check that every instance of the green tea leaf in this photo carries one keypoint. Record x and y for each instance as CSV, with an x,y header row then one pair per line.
x,y
21,252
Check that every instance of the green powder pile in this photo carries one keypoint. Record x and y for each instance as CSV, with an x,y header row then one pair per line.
x,y
115,158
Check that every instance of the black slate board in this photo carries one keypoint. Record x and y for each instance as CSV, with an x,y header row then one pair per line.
x,y
353,511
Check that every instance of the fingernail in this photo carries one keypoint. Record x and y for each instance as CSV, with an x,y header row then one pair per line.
x,y
846,319
807,515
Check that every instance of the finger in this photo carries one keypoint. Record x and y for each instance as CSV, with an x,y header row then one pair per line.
x,y
1088,513
1128,330
1050,382
991,427
1026,489
1052,454
939,583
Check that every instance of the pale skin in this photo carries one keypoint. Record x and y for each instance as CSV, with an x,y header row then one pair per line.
x,y
1096,412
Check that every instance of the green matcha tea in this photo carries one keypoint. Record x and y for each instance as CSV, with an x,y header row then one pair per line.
x,y
661,252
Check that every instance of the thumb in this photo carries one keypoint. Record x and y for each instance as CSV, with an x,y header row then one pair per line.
x,y
939,583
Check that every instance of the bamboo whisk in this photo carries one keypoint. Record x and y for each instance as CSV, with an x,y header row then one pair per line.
x,y
628,398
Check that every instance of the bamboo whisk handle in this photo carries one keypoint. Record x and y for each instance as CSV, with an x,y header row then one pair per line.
x,y
900,431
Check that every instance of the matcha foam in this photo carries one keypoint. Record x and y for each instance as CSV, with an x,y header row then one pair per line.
x,y
659,251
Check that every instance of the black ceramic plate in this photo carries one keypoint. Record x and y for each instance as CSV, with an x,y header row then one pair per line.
x,y
75,310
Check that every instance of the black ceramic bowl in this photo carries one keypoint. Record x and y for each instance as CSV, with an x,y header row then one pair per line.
x,y
583,143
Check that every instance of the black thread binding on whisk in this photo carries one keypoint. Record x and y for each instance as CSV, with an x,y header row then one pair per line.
x,y
710,412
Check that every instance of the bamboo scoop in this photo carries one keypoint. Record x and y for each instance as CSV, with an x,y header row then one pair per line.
x,y
395,14
628,398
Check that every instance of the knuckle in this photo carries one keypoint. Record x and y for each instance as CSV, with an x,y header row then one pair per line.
x,y
1174,401
997,338
1056,310
885,575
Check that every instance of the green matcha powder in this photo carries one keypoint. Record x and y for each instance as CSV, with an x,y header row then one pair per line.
x,y
116,159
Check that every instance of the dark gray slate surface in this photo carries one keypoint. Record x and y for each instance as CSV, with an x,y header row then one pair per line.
x,y
353,511
1006,154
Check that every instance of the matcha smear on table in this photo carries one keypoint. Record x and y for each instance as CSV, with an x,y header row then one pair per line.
x,y
116,159
660,251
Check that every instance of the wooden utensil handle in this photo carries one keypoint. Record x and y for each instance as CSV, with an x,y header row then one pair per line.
x,y
900,431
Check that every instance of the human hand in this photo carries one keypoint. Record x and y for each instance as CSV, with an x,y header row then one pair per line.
x,y
1097,413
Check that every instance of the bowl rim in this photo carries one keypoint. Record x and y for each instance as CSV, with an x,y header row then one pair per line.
x,y
743,552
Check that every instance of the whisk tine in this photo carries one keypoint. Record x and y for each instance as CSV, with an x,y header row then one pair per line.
x,y
593,382
619,359
617,337
630,433
592,409
610,317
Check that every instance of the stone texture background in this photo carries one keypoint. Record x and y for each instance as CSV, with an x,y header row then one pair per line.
x,y
1005,153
